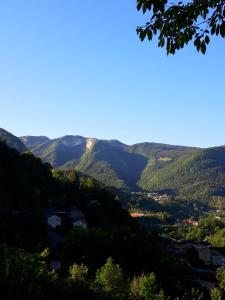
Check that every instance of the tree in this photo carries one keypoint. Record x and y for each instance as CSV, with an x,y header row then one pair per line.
x,y
78,273
74,178
110,277
218,239
87,182
24,276
220,275
193,294
179,22
216,294
146,287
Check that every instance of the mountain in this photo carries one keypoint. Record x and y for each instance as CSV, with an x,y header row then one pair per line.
x,y
191,173
11,140
109,161
113,164
29,191
61,152
160,156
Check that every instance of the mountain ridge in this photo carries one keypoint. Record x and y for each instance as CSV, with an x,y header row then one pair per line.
x,y
110,161
12,141
192,173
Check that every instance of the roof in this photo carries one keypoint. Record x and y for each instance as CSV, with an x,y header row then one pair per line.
x,y
136,215
76,214
53,217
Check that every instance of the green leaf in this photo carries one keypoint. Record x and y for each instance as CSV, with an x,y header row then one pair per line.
x,y
217,29
197,43
142,35
203,47
222,29
149,34
139,5
144,7
207,40
213,29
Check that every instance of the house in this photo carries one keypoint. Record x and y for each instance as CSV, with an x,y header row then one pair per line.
x,y
58,219
54,221
65,219
192,221
76,214
77,218
195,223
80,223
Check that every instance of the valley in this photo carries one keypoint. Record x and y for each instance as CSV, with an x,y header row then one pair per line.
x,y
88,200
188,173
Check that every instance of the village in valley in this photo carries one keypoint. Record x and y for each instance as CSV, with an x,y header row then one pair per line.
x,y
201,255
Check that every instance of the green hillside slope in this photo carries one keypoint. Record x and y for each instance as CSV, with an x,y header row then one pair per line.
x,y
191,172
158,150
24,193
161,157
112,165
200,176
111,162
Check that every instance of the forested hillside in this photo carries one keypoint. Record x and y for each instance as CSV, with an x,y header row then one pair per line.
x,y
109,161
190,173
25,189
106,261
113,165
28,188
199,176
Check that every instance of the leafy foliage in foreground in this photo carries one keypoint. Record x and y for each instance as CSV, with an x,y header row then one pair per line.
x,y
28,186
179,22
27,276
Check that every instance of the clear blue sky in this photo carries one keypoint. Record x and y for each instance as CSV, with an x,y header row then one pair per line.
x,y
77,67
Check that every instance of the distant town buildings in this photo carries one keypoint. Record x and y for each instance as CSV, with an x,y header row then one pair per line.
x,y
153,196
192,221
158,197
137,215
